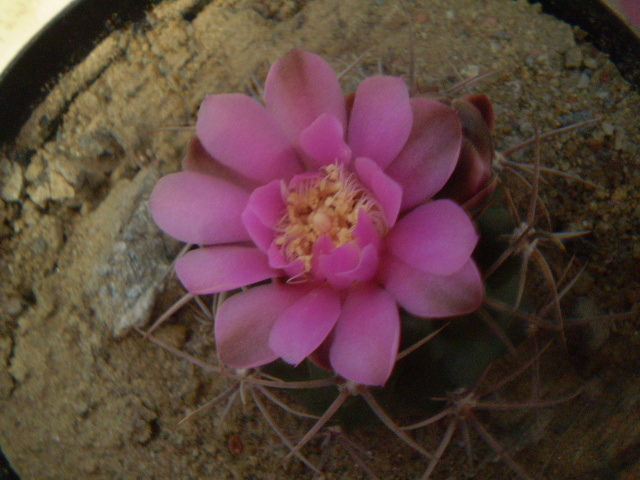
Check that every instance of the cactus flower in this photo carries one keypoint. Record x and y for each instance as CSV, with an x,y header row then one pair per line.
x,y
326,204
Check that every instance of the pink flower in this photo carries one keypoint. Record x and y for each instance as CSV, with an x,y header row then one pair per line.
x,y
331,201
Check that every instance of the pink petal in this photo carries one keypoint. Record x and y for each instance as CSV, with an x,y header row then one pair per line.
x,y
218,269
241,134
263,212
299,88
199,161
366,232
348,264
433,296
321,247
302,327
277,260
198,208
244,321
387,191
366,336
429,157
302,178
323,141
380,120
261,235
437,237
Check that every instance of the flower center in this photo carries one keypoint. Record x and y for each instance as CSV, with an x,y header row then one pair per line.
x,y
324,205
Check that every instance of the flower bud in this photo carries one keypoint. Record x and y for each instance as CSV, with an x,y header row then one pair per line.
x,y
472,182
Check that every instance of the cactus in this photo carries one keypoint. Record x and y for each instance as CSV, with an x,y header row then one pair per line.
x,y
440,330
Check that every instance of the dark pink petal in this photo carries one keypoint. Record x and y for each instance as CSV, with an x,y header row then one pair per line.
x,y
429,157
481,198
437,237
321,354
366,336
477,120
472,174
198,208
302,327
482,103
323,141
433,296
348,264
244,321
263,212
474,170
241,134
380,120
218,269
387,191
299,88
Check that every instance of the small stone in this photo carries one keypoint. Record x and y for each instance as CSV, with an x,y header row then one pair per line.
x,y
36,169
13,305
60,188
620,141
543,59
173,335
31,214
591,63
608,128
573,58
12,180
451,14
70,171
619,195
6,385
592,334
471,71
584,80
39,194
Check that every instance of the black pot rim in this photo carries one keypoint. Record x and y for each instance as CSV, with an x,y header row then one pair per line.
x,y
65,41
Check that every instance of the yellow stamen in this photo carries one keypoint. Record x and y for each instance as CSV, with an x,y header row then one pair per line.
x,y
324,205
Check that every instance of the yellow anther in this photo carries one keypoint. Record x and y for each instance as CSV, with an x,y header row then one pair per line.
x,y
327,205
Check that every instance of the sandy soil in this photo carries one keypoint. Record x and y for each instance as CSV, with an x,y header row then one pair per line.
x,y
82,395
